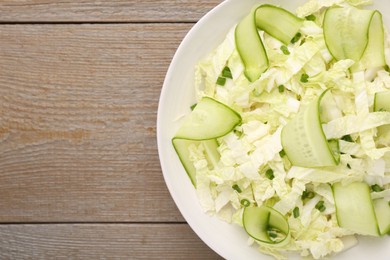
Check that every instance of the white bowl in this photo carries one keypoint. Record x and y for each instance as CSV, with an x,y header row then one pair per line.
x,y
228,240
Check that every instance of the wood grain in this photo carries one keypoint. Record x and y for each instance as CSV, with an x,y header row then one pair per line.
x,y
104,11
78,109
79,89
118,241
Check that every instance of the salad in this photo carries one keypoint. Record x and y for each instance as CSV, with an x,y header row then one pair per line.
x,y
290,136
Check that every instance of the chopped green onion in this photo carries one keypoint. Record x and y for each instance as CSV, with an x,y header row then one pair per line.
x,y
227,73
296,212
310,195
304,78
221,81
281,88
347,138
376,188
270,174
307,195
193,106
296,37
349,166
272,235
237,133
275,234
237,188
245,202
311,17
320,206
282,153
284,49
386,68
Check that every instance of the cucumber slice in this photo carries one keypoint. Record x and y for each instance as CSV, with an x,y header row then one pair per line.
x,y
382,211
250,47
182,149
211,152
329,110
346,32
352,33
278,22
374,54
266,225
334,147
354,208
382,101
210,119
304,141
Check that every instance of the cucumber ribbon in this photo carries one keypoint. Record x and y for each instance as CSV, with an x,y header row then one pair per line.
x,y
382,103
277,22
182,148
304,141
209,120
356,211
352,33
266,225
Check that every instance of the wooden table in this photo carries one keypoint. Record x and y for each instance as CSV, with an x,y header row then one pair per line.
x,y
79,88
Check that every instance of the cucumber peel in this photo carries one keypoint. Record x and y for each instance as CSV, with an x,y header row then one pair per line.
x,y
261,222
304,141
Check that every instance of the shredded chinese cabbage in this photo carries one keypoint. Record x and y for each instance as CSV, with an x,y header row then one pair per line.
x,y
266,105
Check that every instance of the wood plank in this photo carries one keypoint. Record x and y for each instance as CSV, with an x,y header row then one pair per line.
x,y
107,11
119,241
78,109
